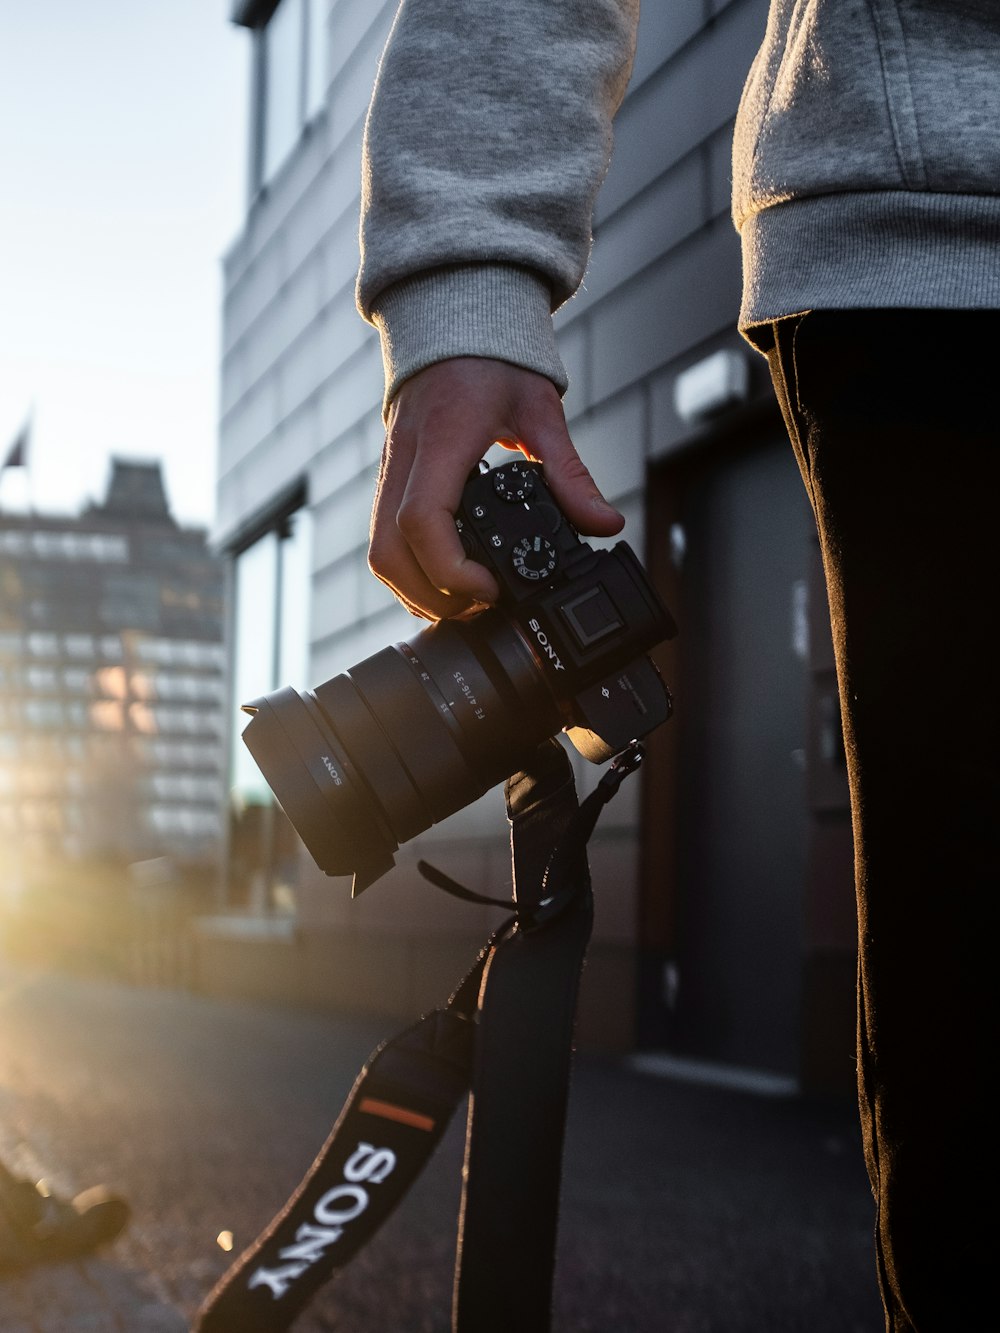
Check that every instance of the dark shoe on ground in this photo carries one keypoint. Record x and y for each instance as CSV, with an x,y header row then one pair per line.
x,y
37,1226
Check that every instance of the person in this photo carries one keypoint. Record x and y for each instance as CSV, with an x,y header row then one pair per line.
x,y
38,1226
866,163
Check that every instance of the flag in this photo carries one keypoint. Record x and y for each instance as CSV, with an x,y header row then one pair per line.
x,y
17,453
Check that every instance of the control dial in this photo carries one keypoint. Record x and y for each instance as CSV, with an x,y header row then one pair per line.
x,y
513,483
534,558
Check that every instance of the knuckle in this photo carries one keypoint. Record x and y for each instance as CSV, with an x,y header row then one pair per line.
x,y
411,520
574,468
379,558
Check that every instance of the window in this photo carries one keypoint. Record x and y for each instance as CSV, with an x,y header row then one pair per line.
x,y
106,548
43,680
183,821
183,687
41,713
43,645
181,653
270,649
317,13
175,754
130,599
183,787
295,585
79,645
254,647
282,79
76,680
290,79
271,631
107,715
171,719
14,543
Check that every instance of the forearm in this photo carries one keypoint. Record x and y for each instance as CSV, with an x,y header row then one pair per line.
x,y
488,137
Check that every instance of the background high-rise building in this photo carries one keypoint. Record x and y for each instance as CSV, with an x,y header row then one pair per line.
x,y
112,680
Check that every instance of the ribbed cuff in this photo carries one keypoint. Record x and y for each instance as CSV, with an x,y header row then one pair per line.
x,y
498,311
883,249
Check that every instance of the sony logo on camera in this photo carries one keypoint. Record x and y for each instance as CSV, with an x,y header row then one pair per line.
x,y
545,645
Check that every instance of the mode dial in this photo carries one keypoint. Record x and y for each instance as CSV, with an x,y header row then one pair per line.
x,y
534,558
513,483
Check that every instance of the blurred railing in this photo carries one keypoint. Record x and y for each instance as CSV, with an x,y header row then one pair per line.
x,y
132,923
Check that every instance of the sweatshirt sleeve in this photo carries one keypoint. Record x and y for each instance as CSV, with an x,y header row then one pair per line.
x,y
488,136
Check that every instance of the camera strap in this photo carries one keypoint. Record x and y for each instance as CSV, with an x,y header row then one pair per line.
x,y
505,1034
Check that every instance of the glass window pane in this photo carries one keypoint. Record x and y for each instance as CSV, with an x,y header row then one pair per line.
x,y
316,61
296,567
256,590
282,78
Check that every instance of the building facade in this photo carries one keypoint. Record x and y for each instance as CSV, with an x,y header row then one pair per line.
x,y
112,681
725,927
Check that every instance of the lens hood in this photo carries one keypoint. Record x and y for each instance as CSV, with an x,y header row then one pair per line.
x,y
316,786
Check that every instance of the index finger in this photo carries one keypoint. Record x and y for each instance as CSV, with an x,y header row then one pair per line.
x,y
390,556
426,520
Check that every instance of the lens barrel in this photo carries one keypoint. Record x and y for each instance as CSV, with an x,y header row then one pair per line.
x,y
378,754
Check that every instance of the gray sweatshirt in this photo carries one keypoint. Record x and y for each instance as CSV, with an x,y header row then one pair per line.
x,y
866,164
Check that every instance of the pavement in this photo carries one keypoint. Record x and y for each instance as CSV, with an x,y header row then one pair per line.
x,y
687,1208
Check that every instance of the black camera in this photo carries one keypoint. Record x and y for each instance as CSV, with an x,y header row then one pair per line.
x,y
371,758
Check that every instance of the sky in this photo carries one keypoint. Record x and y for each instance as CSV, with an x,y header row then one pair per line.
x,y
123,174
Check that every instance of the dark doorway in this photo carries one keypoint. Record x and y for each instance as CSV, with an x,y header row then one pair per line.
x,y
726,820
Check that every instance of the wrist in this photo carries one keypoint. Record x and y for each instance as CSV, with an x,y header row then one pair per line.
x,y
498,311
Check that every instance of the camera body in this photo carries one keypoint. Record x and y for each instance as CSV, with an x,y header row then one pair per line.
x,y
586,614
377,754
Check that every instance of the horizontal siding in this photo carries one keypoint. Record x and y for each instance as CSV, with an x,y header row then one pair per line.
x,y
334,132
302,376
664,28
294,349
608,438
682,104
693,293
663,284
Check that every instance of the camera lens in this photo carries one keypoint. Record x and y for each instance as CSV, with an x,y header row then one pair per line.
x,y
376,755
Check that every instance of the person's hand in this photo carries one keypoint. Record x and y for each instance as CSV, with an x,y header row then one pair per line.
x,y
441,423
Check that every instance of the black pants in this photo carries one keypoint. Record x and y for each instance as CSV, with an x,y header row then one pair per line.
x,y
893,416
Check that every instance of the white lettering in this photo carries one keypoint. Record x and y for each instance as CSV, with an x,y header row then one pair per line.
x,y
278,1279
310,1242
331,768
328,1215
333,1211
544,644
369,1163
466,689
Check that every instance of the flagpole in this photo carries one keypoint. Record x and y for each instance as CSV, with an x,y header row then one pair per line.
x,y
18,454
